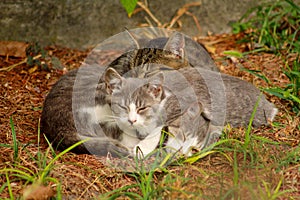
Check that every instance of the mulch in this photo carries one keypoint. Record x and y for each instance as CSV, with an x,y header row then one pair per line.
x,y
24,88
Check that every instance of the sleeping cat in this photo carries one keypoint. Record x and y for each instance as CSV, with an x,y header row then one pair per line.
x,y
142,107
78,105
124,108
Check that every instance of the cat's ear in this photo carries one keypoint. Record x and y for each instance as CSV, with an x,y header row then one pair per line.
x,y
155,86
134,40
176,44
112,79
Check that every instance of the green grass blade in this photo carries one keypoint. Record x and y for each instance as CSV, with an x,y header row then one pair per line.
x,y
119,192
9,186
257,74
235,170
29,171
233,53
165,160
282,94
30,179
267,189
50,146
197,157
5,145
58,191
2,188
294,6
51,163
14,137
19,173
265,140
249,128
278,186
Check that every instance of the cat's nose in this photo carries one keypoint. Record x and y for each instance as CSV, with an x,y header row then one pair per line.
x,y
131,121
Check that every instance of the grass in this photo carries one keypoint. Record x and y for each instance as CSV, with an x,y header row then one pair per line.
x,y
250,168
240,153
275,28
14,137
291,92
252,159
34,179
242,165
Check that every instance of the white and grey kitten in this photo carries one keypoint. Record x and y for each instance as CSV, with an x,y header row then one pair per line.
x,y
142,107
138,107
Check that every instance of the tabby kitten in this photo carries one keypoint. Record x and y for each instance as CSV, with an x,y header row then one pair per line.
x,y
167,53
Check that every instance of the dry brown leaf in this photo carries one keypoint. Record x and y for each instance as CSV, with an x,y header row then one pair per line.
x,y
38,192
33,69
13,48
210,48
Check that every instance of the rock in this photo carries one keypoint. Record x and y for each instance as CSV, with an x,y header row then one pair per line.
x,y
82,24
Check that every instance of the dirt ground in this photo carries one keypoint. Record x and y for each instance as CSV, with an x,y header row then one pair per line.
x,y
24,88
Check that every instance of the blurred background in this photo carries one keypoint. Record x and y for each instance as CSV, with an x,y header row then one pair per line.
x,y
82,24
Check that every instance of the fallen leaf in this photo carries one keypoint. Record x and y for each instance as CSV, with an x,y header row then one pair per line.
x,y
13,48
38,192
33,69
210,48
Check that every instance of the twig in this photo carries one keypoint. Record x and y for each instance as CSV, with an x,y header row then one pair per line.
x,y
19,63
133,38
184,10
86,189
149,22
149,13
195,20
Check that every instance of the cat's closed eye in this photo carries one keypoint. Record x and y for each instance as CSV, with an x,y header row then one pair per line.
x,y
142,109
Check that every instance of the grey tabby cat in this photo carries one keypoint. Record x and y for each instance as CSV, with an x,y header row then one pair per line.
x,y
78,105
140,93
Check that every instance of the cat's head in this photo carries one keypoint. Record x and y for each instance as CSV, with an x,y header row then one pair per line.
x,y
166,53
170,51
137,104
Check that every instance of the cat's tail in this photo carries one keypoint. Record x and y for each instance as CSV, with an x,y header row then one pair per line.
x,y
265,113
273,114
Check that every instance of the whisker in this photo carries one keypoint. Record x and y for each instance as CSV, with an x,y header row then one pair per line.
x,y
112,117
